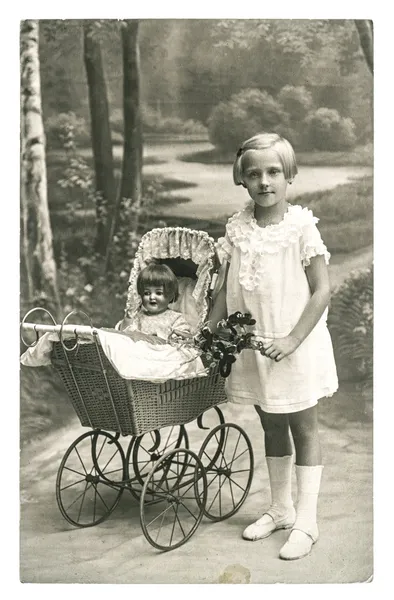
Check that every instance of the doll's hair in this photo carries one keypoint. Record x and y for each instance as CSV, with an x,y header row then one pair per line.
x,y
262,141
158,274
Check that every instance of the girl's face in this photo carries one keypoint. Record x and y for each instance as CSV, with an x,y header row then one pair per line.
x,y
154,299
263,176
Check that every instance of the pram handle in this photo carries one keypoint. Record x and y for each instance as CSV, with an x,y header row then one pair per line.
x,y
46,328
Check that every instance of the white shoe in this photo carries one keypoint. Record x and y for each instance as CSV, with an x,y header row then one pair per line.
x,y
299,544
266,525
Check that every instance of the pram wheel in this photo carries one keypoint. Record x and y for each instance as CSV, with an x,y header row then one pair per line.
x,y
227,458
173,499
144,452
88,483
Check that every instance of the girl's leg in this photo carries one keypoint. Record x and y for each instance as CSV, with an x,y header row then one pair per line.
x,y
281,513
276,433
305,431
304,428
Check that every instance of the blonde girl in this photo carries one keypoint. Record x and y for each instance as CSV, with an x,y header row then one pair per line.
x,y
276,269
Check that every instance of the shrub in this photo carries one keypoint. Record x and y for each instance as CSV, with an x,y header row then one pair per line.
x,y
63,128
244,115
327,130
296,101
350,321
154,122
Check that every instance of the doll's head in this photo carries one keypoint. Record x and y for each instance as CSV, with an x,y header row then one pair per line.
x,y
262,141
157,287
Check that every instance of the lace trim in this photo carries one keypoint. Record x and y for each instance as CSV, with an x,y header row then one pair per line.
x,y
309,252
243,232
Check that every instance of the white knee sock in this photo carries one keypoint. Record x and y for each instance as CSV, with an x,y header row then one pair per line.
x,y
308,486
280,472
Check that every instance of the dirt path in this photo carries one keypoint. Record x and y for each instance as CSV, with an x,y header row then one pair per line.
x,y
116,551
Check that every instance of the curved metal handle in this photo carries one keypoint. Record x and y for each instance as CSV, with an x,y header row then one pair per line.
x,y
37,308
75,332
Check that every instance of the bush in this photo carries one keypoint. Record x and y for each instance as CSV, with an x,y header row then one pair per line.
x,y
65,127
296,101
245,114
327,130
350,321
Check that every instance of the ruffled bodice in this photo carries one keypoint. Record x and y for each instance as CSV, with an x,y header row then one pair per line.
x,y
298,226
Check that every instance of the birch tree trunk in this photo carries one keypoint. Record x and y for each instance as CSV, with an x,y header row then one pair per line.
x,y
36,230
101,135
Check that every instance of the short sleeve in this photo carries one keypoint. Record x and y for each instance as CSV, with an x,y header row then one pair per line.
x,y
224,248
312,244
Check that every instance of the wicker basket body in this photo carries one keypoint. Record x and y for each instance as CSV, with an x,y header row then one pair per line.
x,y
103,399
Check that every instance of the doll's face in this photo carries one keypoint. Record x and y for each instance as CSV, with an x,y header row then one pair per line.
x,y
154,299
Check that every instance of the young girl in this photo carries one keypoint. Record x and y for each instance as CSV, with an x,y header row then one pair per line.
x,y
277,271
157,287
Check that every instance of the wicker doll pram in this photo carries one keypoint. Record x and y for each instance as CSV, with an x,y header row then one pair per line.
x,y
99,396
169,475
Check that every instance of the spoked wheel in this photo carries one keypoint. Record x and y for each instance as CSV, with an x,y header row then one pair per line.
x,y
147,449
229,471
86,495
173,499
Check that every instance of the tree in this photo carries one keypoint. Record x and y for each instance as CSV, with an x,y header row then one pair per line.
x,y
132,150
101,134
365,32
131,182
36,226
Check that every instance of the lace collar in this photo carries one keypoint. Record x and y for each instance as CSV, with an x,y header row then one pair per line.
x,y
245,233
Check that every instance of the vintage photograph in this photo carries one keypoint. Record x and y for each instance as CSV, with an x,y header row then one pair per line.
x,y
196,301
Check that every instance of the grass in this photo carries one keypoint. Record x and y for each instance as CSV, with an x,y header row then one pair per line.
x,y
345,213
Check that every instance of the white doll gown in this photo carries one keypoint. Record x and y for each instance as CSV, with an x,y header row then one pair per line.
x,y
267,278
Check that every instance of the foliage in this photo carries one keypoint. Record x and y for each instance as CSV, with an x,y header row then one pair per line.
x,y
242,116
297,101
64,130
350,321
327,130
230,339
191,65
154,122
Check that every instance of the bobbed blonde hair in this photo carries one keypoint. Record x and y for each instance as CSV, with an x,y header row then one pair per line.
x,y
262,141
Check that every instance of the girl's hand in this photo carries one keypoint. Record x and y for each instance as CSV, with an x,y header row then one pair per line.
x,y
280,348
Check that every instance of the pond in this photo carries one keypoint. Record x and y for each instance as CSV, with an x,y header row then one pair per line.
x,y
213,194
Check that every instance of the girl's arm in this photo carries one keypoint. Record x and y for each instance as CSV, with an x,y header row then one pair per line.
x,y
317,274
219,309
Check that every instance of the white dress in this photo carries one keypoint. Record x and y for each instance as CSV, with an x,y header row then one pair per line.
x,y
267,278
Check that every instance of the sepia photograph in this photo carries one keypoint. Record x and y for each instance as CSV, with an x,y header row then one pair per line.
x,y
196,301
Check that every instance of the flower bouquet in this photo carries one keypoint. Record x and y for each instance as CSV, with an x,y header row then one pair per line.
x,y
229,340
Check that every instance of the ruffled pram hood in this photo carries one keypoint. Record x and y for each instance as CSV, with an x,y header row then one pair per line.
x,y
170,243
